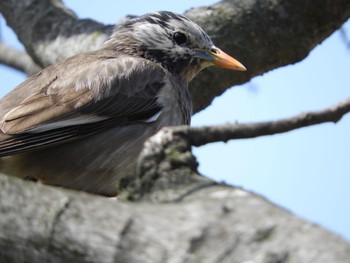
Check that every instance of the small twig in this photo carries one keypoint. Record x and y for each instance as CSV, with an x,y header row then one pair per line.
x,y
199,136
345,37
17,59
190,191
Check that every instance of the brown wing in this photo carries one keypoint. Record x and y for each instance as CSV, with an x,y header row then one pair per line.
x,y
79,97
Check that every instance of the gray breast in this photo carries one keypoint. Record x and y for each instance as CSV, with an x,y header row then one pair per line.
x,y
176,102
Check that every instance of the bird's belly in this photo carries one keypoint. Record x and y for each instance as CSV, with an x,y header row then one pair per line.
x,y
93,164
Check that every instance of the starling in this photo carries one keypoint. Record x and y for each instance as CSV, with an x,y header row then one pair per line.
x,y
82,122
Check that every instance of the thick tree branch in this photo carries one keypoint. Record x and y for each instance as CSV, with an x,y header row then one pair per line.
x,y
51,32
17,59
43,224
199,136
262,34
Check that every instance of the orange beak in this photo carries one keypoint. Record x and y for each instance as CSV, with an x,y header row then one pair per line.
x,y
219,58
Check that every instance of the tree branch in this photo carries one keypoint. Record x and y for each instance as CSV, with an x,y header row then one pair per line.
x,y
261,34
50,31
195,214
17,59
199,136
345,37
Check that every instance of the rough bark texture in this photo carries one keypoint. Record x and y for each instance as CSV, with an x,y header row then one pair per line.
x,y
262,34
168,212
49,31
175,216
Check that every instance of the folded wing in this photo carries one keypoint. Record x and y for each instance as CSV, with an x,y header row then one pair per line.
x,y
79,97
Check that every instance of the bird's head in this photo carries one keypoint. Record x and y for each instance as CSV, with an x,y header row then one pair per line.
x,y
172,40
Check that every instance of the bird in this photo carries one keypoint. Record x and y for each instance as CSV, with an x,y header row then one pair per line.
x,y
82,122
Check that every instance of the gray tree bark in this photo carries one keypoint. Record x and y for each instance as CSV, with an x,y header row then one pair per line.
x,y
167,212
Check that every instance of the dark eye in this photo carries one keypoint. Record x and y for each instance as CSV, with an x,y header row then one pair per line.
x,y
214,50
180,38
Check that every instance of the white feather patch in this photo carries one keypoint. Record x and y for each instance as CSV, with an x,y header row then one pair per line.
x,y
76,120
154,117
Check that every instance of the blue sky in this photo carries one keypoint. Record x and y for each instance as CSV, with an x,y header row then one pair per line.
x,y
305,171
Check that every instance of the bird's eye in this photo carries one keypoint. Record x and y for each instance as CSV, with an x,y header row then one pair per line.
x,y
180,38
214,50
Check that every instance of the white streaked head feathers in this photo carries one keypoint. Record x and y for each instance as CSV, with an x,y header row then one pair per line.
x,y
152,36
159,35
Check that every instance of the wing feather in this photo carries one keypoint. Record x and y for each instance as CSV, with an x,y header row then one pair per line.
x,y
81,96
